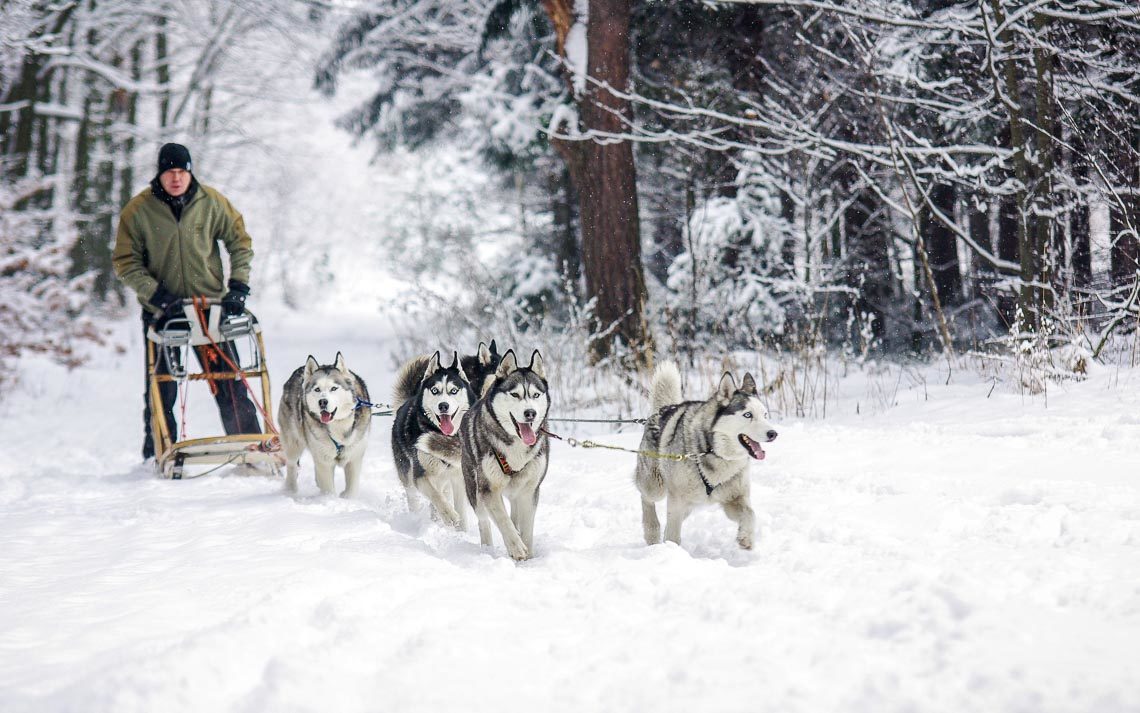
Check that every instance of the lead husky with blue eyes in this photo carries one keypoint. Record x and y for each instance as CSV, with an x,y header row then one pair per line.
x,y
723,436
430,401
505,452
320,412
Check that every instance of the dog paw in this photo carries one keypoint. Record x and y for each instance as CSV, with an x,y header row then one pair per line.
x,y
348,494
745,541
518,551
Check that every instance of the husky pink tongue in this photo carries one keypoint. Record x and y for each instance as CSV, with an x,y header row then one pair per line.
x,y
526,433
445,424
326,416
754,448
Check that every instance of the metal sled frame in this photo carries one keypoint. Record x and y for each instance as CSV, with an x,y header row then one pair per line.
x,y
172,344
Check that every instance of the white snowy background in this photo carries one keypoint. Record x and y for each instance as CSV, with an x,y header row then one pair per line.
x,y
944,547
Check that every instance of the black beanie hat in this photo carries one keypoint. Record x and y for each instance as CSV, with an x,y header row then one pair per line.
x,y
173,156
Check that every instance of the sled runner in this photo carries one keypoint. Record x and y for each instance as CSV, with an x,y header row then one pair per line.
x,y
204,327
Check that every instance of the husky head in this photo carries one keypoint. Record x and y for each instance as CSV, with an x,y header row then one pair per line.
x,y
329,391
741,421
519,398
444,394
480,367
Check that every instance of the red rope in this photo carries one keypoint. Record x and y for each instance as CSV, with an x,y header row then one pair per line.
x,y
200,305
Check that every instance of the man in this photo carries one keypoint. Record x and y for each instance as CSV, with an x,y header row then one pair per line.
x,y
166,249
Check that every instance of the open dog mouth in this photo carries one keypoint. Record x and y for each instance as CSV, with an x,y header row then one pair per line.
x,y
446,426
753,447
525,431
327,416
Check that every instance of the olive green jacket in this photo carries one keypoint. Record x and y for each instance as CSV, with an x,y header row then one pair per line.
x,y
152,247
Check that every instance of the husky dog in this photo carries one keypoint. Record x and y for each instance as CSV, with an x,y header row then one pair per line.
x,y
480,367
505,452
320,413
430,399
725,431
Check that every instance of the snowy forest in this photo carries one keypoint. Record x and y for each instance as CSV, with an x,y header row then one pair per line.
x,y
900,235
876,176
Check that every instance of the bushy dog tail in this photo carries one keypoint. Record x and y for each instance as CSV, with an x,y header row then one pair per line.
x,y
666,387
409,378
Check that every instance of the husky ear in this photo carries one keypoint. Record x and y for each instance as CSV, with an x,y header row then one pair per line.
x,y
432,367
536,364
748,386
311,365
454,360
726,389
507,365
484,354
494,349
339,363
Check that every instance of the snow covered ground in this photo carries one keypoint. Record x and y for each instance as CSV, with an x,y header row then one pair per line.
x,y
957,552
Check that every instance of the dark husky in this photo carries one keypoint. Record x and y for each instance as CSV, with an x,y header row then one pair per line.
x,y
320,412
430,402
723,434
505,452
480,367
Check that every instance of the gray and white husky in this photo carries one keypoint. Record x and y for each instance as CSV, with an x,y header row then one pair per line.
x,y
723,432
505,452
430,401
321,412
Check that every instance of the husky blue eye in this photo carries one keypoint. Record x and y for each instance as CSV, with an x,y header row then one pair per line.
x,y
747,414
517,396
334,388
453,391
435,391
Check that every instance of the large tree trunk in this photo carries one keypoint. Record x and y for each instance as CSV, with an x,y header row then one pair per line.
x,y
603,174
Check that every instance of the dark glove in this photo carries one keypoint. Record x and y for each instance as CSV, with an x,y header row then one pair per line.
x,y
233,303
170,304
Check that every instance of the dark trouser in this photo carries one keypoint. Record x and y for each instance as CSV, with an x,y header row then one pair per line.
x,y
237,411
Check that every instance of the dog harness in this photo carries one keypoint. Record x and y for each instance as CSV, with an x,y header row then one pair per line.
x,y
503,464
701,472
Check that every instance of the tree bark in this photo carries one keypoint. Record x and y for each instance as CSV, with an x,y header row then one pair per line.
x,y
604,176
